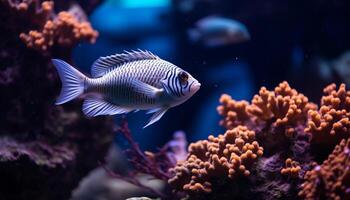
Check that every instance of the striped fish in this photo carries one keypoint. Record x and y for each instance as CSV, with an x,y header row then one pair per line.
x,y
137,80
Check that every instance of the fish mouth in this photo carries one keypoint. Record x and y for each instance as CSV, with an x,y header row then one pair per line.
x,y
195,86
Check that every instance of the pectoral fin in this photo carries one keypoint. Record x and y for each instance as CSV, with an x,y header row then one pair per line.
x,y
146,89
153,110
94,107
158,113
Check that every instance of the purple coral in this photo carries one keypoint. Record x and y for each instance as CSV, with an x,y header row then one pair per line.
x,y
40,152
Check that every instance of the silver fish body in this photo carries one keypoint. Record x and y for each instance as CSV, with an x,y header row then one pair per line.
x,y
137,80
213,31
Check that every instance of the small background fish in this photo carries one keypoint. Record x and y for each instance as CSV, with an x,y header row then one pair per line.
x,y
217,31
337,68
137,80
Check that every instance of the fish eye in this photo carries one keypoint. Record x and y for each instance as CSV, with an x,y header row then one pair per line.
x,y
183,76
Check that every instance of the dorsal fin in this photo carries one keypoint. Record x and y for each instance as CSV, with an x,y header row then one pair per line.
x,y
106,64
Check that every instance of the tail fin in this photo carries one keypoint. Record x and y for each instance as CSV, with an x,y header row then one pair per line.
x,y
72,81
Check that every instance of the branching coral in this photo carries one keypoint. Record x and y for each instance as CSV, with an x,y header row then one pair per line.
x,y
253,158
285,106
331,180
278,119
331,122
282,108
234,112
155,164
291,168
227,156
233,164
64,30
32,10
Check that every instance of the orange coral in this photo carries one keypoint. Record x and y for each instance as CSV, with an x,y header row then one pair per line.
x,y
292,168
331,180
284,107
64,29
32,9
331,122
234,112
229,155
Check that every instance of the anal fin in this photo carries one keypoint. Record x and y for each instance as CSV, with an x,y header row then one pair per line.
x,y
158,113
93,107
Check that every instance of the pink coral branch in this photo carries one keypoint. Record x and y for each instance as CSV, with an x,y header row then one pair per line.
x,y
130,178
150,163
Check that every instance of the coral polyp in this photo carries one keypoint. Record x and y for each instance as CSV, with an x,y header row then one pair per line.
x,y
291,169
331,180
331,122
64,29
227,156
282,108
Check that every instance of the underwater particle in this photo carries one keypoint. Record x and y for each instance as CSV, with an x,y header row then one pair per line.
x,y
331,180
283,108
211,161
137,80
291,168
331,122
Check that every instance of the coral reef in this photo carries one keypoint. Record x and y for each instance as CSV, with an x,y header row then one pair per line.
x,y
153,166
290,129
282,108
156,164
291,169
227,156
269,150
331,122
63,29
37,138
331,180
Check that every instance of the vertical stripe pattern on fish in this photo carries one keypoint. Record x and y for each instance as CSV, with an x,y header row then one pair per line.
x,y
137,80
